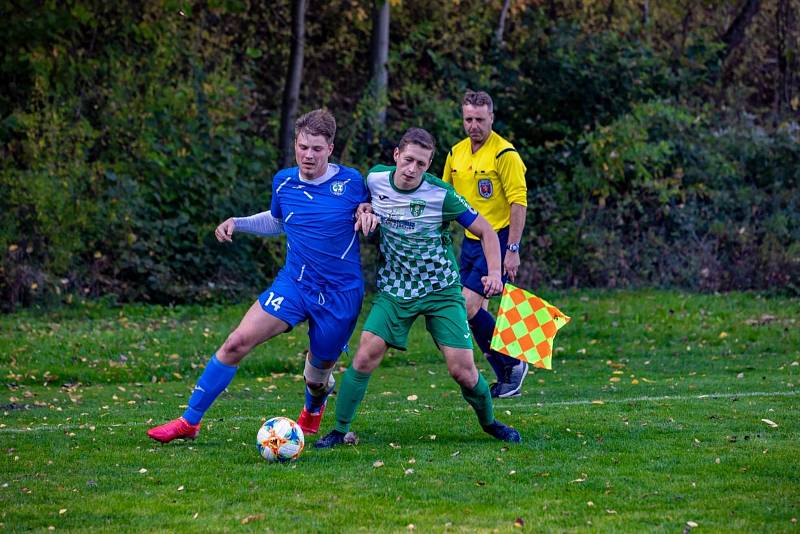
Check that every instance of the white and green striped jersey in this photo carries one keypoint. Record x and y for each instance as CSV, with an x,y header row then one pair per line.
x,y
415,242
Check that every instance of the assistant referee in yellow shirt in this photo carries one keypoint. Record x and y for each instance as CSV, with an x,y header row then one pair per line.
x,y
487,171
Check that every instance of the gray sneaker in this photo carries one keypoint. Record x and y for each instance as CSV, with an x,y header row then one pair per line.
x,y
511,385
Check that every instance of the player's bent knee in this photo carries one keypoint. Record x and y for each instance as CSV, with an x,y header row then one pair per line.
x,y
235,347
365,362
462,376
363,365
463,371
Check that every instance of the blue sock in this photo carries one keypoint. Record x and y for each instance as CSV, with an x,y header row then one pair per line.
x,y
212,382
314,403
482,326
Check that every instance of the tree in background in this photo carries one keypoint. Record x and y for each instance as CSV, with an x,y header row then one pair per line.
x,y
294,77
379,57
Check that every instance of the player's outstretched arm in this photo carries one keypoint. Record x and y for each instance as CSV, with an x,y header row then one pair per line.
x,y
259,224
224,231
492,283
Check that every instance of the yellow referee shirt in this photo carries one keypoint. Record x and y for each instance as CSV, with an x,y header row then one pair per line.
x,y
491,179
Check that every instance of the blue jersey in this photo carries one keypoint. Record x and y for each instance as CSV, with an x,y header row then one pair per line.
x,y
322,248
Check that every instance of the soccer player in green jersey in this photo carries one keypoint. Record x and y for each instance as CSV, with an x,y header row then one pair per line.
x,y
420,277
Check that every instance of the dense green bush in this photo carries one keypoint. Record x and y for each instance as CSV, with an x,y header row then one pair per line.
x,y
121,164
660,196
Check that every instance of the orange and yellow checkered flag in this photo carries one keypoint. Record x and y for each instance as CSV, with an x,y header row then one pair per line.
x,y
526,326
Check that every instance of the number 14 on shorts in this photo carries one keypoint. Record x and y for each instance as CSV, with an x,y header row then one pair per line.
x,y
273,301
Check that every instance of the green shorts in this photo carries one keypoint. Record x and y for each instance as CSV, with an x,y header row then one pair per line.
x,y
445,315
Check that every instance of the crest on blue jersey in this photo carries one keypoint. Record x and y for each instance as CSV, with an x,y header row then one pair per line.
x,y
417,206
485,188
337,188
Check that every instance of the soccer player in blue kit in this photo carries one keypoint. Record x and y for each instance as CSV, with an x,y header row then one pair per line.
x,y
315,205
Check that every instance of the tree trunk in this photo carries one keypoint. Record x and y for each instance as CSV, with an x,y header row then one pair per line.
x,y
735,34
294,76
610,12
645,13
783,23
501,25
379,58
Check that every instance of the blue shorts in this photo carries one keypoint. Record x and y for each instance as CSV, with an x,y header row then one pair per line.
x,y
473,263
331,315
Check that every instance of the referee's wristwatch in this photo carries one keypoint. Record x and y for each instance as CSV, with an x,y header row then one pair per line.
x,y
513,247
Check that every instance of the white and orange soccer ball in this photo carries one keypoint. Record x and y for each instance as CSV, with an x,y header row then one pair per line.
x,y
280,440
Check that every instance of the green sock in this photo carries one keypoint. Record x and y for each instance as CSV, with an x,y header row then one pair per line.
x,y
479,398
351,393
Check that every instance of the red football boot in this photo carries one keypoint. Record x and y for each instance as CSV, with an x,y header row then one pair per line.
x,y
175,429
309,422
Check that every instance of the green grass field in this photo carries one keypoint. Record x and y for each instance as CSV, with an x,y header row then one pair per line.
x,y
665,412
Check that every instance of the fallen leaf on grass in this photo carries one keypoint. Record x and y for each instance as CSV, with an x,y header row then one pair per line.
x,y
764,319
772,424
143,470
251,518
519,522
691,524
611,511
377,463
579,480
597,402
62,511
589,503
408,471
411,398
180,488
